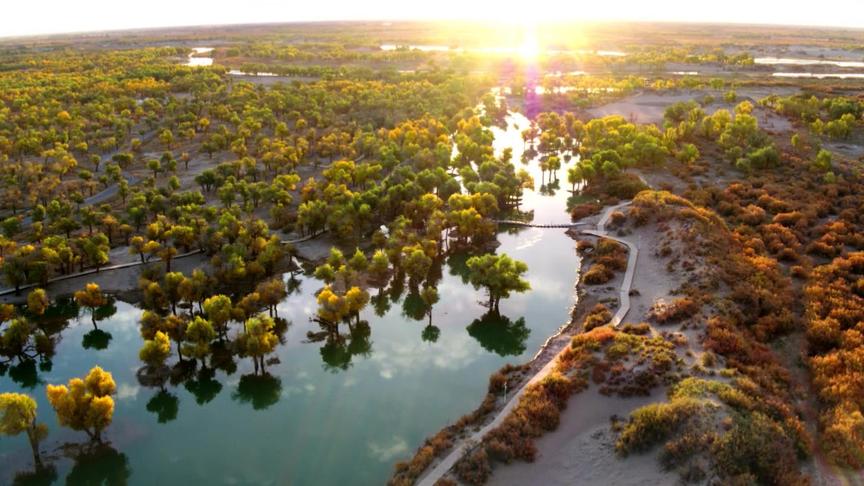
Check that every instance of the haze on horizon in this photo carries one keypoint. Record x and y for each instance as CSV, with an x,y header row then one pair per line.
x,y
36,17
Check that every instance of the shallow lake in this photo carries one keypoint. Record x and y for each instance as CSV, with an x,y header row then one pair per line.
x,y
329,414
792,61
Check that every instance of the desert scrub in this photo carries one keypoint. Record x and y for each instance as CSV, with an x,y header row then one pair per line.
x,y
608,257
537,412
581,211
599,316
640,329
675,311
598,274
653,423
474,468
722,426
835,311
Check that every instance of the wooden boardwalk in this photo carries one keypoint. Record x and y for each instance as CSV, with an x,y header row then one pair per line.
x,y
512,222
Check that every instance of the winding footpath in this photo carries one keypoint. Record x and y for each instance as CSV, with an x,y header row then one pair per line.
x,y
632,255
467,444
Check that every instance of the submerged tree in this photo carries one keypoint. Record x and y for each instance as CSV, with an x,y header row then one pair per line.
x,y
85,404
37,302
155,351
499,275
258,340
18,415
196,343
91,297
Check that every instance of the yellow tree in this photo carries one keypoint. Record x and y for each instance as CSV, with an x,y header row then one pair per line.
x,y
259,339
155,351
219,311
357,299
91,297
37,301
271,293
332,307
199,335
85,404
17,415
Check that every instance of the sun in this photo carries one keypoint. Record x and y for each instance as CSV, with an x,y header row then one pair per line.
x,y
530,48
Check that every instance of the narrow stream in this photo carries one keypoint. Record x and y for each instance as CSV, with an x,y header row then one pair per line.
x,y
331,414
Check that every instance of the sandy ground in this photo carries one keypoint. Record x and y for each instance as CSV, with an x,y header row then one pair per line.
x,y
648,107
581,451
651,279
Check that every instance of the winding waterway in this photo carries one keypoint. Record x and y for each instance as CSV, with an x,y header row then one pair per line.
x,y
329,414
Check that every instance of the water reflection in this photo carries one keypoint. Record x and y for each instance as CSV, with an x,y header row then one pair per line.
x,y
97,464
369,381
204,386
96,339
40,476
499,334
164,405
340,348
262,391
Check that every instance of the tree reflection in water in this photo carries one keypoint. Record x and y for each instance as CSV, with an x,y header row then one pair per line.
x,y
165,405
339,348
262,391
97,464
204,387
41,476
499,334
96,339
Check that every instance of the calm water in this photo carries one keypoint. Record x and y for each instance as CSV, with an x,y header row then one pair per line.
x,y
195,60
792,61
329,415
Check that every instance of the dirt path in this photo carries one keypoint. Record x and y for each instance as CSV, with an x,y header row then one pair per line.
x,y
123,266
468,443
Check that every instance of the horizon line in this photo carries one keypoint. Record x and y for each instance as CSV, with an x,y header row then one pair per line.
x,y
121,30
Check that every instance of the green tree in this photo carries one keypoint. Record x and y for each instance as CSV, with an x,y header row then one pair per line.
x,y
499,275
258,340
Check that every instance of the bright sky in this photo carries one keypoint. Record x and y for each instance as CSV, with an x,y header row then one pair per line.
x,y
25,17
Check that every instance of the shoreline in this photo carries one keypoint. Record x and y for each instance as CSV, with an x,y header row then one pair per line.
x,y
538,366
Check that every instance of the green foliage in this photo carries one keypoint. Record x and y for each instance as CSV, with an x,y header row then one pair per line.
x,y
499,275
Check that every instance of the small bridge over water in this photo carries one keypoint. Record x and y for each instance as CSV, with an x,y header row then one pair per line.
x,y
539,225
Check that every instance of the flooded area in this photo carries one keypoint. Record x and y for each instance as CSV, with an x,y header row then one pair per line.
x,y
332,411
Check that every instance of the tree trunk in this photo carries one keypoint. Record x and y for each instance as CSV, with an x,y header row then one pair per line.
x,y
34,445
